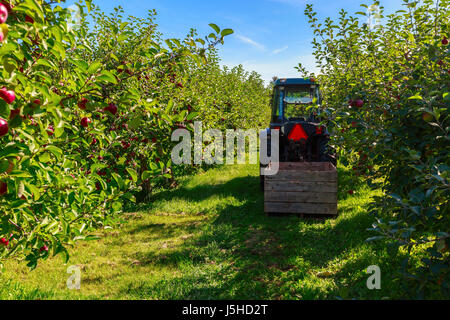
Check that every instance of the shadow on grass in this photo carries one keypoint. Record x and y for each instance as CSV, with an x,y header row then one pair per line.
x,y
253,251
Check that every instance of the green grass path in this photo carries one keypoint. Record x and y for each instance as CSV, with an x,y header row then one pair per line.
x,y
210,239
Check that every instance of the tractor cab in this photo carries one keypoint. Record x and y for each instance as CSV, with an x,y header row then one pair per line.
x,y
295,107
293,99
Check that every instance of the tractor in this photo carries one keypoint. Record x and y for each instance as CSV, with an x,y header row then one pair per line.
x,y
303,142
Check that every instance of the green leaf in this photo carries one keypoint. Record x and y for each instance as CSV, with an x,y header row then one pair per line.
x,y
215,27
146,175
107,76
123,37
133,174
56,151
117,206
130,197
226,32
45,157
93,68
446,97
119,180
89,5
84,66
9,151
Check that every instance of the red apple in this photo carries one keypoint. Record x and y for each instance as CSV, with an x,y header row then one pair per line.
x,y
7,5
4,242
3,127
8,95
43,248
50,130
29,19
82,103
10,167
14,113
3,188
3,13
359,103
427,117
36,102
111,108
351,192
85,122
445,41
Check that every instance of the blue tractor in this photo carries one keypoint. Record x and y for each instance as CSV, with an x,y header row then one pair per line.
x,y
295,113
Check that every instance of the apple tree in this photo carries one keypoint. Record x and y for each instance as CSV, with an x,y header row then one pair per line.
x,y
85,114
386,92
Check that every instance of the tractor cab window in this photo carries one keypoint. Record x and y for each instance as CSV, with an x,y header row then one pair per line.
x,y
289,102
297,100
275,105
298,97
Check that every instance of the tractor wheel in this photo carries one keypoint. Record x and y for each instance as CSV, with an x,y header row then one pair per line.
x,y
261,182
261,178
332,159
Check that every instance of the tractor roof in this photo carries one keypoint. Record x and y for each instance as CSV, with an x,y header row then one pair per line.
x,y
294,81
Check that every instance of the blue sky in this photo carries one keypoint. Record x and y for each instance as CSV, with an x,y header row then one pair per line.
x,y
271,36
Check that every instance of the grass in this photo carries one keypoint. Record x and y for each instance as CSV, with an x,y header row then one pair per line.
x,y
209,239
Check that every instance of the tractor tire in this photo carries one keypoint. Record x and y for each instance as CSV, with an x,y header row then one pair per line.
x,y
261,182
332,159
261,178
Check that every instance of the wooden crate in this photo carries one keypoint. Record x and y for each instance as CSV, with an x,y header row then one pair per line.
x,y
302,188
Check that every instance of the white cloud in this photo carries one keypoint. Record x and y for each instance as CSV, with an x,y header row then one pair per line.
x,y
251,42
277,51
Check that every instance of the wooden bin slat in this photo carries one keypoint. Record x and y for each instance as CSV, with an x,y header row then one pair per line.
x,y
300,208
311,176
301,197
300,186
311,166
